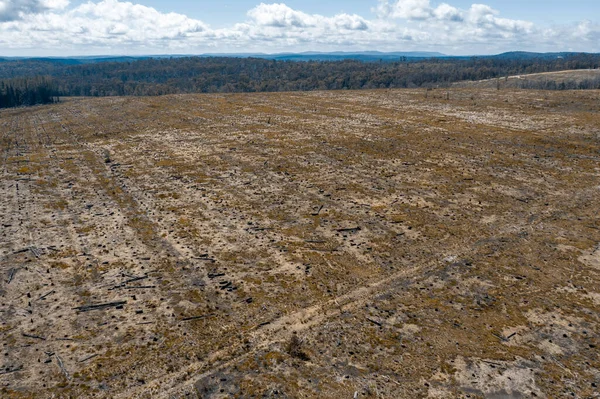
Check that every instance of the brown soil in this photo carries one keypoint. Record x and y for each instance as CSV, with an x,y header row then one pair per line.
x,y
392,244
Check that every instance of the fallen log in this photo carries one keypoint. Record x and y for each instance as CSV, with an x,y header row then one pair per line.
x,y
100,306
259,229
11,370
318,211
374,322
33,336
46,295
349,230
204,316
62,366
135,279
36,252
11,275
88,358
211,260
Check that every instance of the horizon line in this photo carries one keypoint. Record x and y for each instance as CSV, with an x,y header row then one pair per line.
x,y
435,54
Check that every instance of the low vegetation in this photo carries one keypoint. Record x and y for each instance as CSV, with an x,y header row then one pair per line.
x,y
582,79
349,244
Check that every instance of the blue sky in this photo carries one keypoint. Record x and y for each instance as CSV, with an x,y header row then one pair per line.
x,y
231,11
63,27
224,12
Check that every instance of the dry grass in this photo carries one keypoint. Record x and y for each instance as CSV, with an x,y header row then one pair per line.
x,y
512,82
302,245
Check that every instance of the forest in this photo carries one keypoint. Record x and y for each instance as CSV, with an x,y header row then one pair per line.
x,y
27,91
37,81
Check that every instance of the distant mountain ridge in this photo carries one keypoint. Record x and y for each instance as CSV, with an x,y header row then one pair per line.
x,y
367,56
304,56
337,55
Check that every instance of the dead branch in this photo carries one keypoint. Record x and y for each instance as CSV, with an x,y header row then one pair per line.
x,y
33,336
374,322
11,370
46,295
88,358
100,306
318,211
11,275
135,279
62,366
349,230
197,317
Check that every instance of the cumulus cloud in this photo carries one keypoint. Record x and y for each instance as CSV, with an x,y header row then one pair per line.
x,y
106,23
11,10
282,16
116,26
407,9
421,10
450,25
448,13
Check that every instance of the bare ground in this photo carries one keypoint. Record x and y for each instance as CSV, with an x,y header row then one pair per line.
x,y
518,81
415,247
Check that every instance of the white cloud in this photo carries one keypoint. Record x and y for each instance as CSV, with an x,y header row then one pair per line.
x,y
117,27
410,9
419,10
282,16
108,23
486,17
11,10
55,4
447,12
452,26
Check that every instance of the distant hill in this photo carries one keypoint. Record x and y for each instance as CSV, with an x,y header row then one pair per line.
x,y
75,60
365,56
338,56
306,56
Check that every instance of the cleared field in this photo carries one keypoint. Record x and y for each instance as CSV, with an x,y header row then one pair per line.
x,y
514,82
299,245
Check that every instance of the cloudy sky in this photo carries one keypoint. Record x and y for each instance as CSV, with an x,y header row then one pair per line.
x,y
63,27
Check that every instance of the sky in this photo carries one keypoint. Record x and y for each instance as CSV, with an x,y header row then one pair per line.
x,y
145,27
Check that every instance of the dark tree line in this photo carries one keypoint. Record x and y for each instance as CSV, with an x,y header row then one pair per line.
x,y
210,75
223,74
27,91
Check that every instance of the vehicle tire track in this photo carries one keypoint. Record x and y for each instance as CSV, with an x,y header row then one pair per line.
x,y
180,381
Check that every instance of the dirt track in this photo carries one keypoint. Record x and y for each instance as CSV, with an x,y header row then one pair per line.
x,y
418,247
